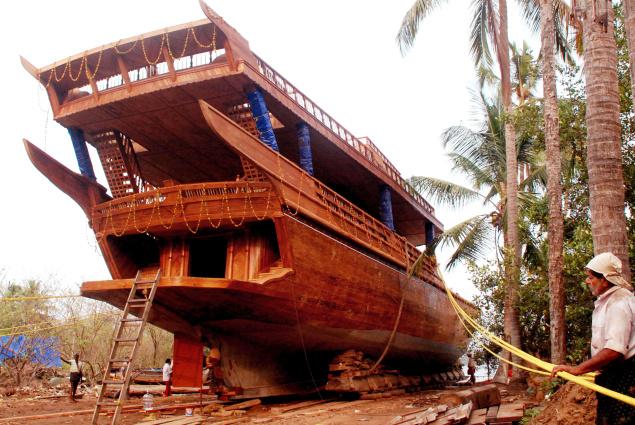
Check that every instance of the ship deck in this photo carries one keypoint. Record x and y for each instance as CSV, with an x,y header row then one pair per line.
x,y
150,91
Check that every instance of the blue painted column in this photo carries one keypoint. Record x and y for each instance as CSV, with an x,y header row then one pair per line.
x,y
81,152
429,233
385,207
261,115
304,147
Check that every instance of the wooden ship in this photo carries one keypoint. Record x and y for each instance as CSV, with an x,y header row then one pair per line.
x,y
281,237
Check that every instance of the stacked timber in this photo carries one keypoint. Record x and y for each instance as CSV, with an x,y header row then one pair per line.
x,y
480,405
352,372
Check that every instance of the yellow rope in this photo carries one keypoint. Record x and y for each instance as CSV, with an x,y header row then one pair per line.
x,y
588,377
63,325
39,297
580,380
14,328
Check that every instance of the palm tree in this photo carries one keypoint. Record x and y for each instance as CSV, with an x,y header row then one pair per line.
x,y
604,156
480,157
555,226
629,24
489,24
524,72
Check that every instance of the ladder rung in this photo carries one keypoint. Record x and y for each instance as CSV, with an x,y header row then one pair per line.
x,y
124,360
108,403
110,382
126,339
133,319
144,281
137,301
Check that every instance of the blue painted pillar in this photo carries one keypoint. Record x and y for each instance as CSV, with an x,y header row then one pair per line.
x,y
304,147
385,207
261,115
429,233
81,152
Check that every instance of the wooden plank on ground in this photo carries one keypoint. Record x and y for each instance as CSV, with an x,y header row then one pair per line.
x,y
188,420
296,406
491,414
16,419
334,406
180,406
480,396
478,417
510,412
161,421
244,405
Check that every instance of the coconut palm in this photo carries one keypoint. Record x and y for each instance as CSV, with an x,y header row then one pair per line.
x,y
555,225
525,73
480,157
604,156
489,25
629,26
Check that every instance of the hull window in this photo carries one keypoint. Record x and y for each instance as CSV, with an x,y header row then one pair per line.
x,y
208,257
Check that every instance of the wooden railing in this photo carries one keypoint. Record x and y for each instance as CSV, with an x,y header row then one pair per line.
x,y
362,145
185,206
368,230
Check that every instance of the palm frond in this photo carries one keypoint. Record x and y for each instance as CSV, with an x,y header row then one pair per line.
x,y
561,13
479,176
411,21
535,180
530,10
527,199
479,37
444,192
463,141
471,237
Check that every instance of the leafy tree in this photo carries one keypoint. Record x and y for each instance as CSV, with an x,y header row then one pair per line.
x,y
480,157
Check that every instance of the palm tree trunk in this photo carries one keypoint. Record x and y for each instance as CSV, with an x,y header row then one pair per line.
x,y
554,189
604,157
512,265
629,25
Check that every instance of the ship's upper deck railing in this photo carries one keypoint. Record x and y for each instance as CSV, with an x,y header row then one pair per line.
x,y
363,145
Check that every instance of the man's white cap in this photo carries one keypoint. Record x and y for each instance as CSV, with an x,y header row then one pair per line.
x,y
610,267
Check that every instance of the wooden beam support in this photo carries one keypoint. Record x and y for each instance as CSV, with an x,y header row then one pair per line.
x,y
93,85
123,69
229,54
170,62
52,93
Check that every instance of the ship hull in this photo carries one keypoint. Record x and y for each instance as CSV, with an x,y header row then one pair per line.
x,y
278,335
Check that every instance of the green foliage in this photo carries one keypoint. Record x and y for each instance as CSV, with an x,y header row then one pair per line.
x,y
79,326
578,243
529,415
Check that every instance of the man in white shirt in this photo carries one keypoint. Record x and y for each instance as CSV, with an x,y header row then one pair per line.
x,y
613,339
75,374
167,377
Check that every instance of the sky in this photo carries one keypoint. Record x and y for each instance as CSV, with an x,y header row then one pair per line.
x,y
342,54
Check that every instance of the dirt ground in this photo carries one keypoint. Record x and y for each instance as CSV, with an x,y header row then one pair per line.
x,y
329,411
570,405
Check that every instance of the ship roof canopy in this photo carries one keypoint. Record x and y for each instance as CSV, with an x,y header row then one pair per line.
x,y
148,86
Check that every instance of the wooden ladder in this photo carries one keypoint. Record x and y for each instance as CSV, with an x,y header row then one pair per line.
x,y
126,341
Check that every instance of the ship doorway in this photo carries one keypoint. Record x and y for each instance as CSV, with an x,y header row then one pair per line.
x,y
208,257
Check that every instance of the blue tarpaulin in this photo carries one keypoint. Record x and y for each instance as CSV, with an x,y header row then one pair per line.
x,y
43,351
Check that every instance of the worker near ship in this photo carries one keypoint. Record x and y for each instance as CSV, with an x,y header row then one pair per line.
x,y
167,377
471,368
75,374
612,340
